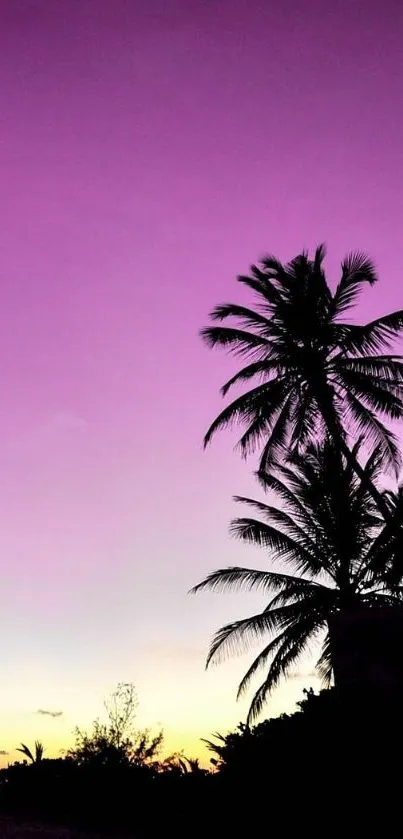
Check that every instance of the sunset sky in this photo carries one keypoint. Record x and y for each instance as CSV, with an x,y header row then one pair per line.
x,y
150,151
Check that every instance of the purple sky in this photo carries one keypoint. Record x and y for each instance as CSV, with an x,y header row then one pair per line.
x,y
149,153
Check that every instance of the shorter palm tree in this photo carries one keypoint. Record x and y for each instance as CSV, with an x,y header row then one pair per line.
x,y
33,757
329,532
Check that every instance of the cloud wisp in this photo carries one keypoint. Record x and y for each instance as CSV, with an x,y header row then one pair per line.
x,y
44,713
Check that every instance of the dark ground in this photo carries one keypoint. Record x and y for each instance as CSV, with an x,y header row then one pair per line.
x,y
12,829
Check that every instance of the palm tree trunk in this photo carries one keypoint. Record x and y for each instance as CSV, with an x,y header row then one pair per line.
x,y
374,492
334,430
366,652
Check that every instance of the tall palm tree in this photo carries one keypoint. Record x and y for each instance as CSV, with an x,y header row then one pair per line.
x,y
329,532
314,371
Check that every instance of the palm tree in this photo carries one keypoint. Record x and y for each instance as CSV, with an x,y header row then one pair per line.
x,y
39,752
329,532
314,372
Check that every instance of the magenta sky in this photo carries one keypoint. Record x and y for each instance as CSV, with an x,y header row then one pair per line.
x,y
149,152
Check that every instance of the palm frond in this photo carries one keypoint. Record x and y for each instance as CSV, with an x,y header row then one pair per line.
x,y
319,257
307,422
39,750
324,665
381,396
248,407
217,748
236,578
375,432
273,451
246,317
236,637
386,550
264,368
295,643
238,341
386,367
356,270
372,337
284,547
302,513
261,284
259,662
276,516
26,751
273,268
258,428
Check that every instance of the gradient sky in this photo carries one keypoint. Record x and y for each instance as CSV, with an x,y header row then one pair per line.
x,y
149,153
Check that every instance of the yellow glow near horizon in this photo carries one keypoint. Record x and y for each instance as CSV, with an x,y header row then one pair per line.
x,y
185,717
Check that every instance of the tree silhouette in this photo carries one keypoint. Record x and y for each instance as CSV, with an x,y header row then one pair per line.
x,y
37,757
259,750
329,532
116,742
179,764
121,708
315,372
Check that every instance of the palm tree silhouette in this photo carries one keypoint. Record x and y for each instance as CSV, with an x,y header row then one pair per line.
x,y
330,533
39,752
316,373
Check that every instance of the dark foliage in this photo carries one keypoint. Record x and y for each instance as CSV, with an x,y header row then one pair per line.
x,y
321,763
116,743
111,780
327,759
108,797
